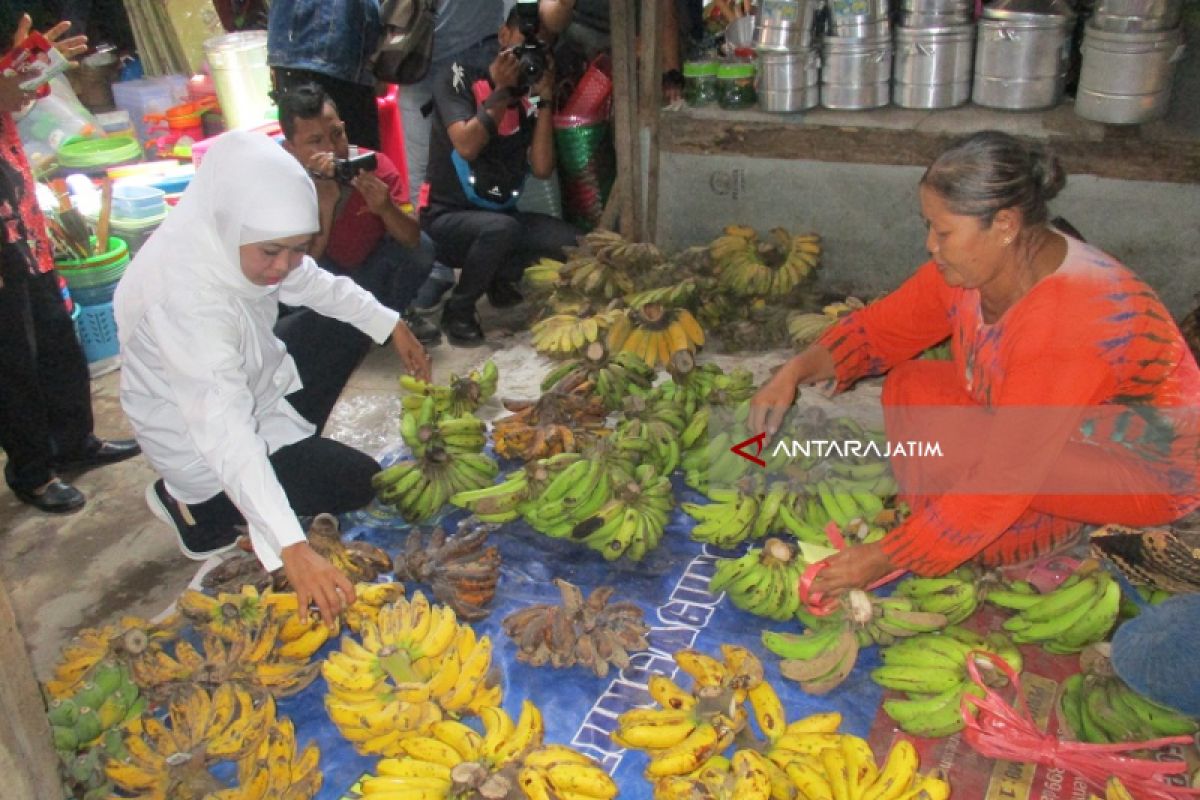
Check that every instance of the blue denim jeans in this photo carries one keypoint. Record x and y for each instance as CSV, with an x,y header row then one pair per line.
x,y
392,272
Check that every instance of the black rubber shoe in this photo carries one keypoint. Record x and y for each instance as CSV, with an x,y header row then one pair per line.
x,y
197,542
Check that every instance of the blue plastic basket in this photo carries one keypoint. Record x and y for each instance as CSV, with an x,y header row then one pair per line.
x,y
94,295
97,328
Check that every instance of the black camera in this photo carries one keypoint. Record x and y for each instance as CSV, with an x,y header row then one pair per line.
x,y
344,169
533,53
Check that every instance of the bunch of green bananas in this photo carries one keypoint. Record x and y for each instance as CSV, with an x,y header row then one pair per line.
x,y
612,377
501,502
1103,709
572,496
650,430
1082,610
710,462
462,396
696,385
824,655
631,523
932,671
668,294
954,595
426,429
765,581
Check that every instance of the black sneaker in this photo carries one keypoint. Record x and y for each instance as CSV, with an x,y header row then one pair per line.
x,y
503,294
424,329
197,542
461,326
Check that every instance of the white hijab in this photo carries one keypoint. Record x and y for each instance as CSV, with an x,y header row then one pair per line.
x,y
248,189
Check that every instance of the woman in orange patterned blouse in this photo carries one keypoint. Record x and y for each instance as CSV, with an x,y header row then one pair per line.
x,y
1071,397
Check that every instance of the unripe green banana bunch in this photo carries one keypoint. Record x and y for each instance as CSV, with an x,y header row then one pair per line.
x,y
631,522
1082,610
954,595
764,581
931,670
104,702
462,396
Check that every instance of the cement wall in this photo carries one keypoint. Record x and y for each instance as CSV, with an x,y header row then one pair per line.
x,y
870,221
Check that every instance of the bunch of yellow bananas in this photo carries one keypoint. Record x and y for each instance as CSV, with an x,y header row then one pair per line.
x,y
543,276
750,268
462,395
564,335
172,761
818,762
415,663
654,333
805,327
125,642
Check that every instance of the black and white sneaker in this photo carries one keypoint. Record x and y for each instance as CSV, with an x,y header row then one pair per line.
x,y
197,542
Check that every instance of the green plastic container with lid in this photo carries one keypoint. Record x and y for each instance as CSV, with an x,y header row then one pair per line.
x,y
735,81
700,82
83,153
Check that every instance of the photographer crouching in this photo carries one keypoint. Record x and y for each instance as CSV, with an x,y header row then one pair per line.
x,y
492,128
365,234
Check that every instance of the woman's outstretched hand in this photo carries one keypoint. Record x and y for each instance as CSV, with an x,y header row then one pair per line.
x,y
771,402
316,582
855,567
418,362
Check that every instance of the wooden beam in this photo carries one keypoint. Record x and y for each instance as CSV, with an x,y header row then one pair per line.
x,y
623,27
27,758
650,79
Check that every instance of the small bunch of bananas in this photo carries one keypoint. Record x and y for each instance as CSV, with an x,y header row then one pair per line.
x,y
125,642
955,595
448,459
571,497
772,268
612,378
172,761
822,658
503,501
842,765
464,394
453,760
932,671
696,386
276,769
414,665
613,248
651,430
764,581
565,335
259,627
675,294
710,463
557,422
1100,708
631,523
689,727
806,327
1082,610
592,633
543,276
750,510
459,569
369,599
595,277
654,333
106,701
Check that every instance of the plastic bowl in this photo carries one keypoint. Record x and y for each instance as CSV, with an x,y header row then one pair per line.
x,y
132,201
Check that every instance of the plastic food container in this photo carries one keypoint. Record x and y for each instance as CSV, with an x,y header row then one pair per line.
x,y
700,83
132,201
736,85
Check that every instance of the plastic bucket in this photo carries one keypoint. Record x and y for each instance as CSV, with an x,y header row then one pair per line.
x,y
241,76
97,330
95,278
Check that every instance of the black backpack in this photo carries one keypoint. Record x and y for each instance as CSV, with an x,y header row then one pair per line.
x,y
405,47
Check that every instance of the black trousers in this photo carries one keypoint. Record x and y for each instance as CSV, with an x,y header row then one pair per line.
x,y
45,394
489,245
355,102
317,474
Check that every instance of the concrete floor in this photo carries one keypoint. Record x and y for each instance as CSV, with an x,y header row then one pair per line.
x,y
115,558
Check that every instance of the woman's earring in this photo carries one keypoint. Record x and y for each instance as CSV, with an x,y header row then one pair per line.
x,y
1008,241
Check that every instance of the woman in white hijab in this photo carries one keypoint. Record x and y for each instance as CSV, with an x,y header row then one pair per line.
x,y
210,389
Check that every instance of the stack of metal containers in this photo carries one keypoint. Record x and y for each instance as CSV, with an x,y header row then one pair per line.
x,y
1022,52
856,68
789,62
935,45
1129,49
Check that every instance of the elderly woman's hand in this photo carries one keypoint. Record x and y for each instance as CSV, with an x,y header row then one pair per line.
x,y
855,567
418,363
316,582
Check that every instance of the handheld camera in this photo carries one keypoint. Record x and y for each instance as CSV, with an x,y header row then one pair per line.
x,y
533,52
344,169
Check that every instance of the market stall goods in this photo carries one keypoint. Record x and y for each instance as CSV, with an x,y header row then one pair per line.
x,y
461,396
93,648
764,581
806,327
1083,609
611,377
461,572
556,422
655,332
566,335
772,267
510,760
931,669
410,668
701,388
956,596
592,632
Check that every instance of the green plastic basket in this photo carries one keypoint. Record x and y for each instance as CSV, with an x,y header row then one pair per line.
x,y
80,152
98,270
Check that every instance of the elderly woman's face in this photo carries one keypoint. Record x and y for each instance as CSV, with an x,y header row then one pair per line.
x,y
268,263
966,253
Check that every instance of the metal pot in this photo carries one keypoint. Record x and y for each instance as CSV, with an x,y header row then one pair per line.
x,y
1126,77
1022,51
789,81
856,73
933,67
858,18
1136,16
784,25
911,19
